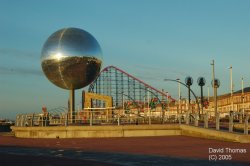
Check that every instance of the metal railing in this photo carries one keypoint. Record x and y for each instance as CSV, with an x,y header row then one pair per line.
x,y
232,122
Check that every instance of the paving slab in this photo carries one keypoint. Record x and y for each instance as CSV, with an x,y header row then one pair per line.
x,y
167,150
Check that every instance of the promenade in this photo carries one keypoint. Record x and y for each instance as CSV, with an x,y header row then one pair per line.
x,y
172,150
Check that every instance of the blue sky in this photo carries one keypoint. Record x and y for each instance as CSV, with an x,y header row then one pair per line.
x,y
150,39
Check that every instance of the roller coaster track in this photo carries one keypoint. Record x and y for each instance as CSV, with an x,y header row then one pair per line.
x,y
122,86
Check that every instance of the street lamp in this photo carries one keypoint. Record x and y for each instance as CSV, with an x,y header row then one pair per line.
x,y
149,110
213,81
189,82
179,95
208,94
215,84
231,87
197,102
201,82
242,94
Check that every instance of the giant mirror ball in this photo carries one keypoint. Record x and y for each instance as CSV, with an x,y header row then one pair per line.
x,y
71,58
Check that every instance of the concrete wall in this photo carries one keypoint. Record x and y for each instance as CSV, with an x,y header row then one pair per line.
x,y
213,134
127,131
96,131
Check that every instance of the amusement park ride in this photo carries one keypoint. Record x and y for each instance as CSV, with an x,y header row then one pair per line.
x,y
125,88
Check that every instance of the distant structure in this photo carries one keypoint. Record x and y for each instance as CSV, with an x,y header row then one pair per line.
x,y
71,59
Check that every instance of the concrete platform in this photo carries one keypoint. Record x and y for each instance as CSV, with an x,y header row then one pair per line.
x,y
127,131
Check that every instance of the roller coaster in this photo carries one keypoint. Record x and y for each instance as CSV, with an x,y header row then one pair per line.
x,y
124,87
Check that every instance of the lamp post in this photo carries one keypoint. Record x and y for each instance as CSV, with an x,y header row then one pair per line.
x,y
189,82
201,82
149,110
231,87
213,77
243,99
242,92
179,96
208,94
216,84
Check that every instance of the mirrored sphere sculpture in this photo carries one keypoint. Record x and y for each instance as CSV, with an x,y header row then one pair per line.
x,y
71,58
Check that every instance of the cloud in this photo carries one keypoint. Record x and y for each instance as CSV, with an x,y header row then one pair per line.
x,y
20,71
11,52
10,67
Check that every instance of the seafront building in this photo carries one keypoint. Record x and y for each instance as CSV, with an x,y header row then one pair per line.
x,y
238,102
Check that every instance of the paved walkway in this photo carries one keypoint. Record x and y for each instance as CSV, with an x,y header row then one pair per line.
x,y
171,150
